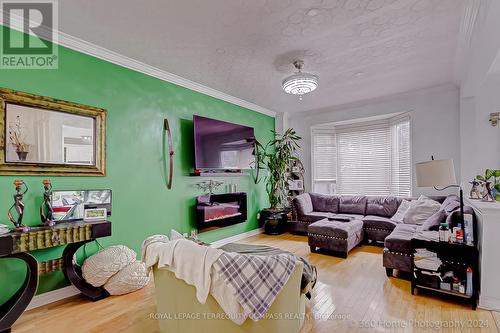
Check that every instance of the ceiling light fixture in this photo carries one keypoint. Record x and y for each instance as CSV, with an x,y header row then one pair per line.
x,y
300,83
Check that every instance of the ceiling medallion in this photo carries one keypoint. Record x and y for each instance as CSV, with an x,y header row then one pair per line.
x,y
300,83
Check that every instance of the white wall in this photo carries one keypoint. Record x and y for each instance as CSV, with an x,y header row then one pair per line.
x,y
480,141
480,96
435,124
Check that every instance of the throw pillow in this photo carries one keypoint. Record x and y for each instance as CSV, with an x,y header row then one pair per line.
x,y
174,234
129,279
98,268
420,210
433,222
401,212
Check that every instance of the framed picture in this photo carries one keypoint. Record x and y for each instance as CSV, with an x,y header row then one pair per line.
x,y
295,185
95,214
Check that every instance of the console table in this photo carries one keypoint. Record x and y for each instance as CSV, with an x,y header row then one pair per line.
x,y
18,245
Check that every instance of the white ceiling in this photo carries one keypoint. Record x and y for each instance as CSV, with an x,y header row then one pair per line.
x,y
359,48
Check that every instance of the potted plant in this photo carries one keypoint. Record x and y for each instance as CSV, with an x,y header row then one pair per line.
x,y
491,184
275,158
17,139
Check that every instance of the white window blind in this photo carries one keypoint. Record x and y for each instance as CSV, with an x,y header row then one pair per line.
x,y
369,158
324,156
401,157
364,159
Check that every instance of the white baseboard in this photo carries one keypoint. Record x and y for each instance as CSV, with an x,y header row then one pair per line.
x,y
52,296
489,303
69,291
237,237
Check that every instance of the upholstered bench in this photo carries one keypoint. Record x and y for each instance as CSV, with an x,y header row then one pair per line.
x,y
339,237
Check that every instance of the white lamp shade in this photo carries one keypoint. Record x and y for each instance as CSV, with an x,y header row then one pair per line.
x,y
436,173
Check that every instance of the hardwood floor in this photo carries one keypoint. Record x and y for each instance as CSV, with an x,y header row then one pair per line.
x,y
352,295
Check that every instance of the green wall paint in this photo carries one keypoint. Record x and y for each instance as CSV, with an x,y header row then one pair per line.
x,y
136,105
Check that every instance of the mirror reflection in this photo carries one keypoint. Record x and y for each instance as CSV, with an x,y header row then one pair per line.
x,y
36,135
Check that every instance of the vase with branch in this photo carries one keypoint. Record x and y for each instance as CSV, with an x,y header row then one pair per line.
x,y
18,139
273,160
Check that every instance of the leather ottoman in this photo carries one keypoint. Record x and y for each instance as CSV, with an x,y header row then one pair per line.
x,y
339,237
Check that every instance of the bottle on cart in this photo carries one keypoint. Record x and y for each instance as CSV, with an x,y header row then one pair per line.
x,y
460,233
468,289
444,232
469,229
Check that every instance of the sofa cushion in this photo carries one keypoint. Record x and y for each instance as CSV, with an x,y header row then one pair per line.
x,y
378,222
453,218
314,216
303,203
400,238
420,210
382,206
399,216
450,199
433,222
352,204
325,203
335,229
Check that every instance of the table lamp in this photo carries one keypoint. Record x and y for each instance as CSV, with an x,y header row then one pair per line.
x,y
439,174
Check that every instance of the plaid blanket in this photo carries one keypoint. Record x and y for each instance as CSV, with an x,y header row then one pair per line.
x,y
257,280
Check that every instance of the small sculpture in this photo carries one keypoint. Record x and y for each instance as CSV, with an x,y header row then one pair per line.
x,y
209,186
475,193
487,193
491,185
46,206
18,205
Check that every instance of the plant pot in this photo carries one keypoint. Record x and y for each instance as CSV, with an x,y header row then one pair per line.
x,y
273,220
22,155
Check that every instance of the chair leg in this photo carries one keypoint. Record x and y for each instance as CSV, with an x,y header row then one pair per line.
x,y
389,271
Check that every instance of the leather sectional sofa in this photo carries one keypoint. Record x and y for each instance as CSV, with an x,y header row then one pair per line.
x,y
376,213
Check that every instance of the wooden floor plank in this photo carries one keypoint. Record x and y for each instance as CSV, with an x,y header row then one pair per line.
x,y
352,295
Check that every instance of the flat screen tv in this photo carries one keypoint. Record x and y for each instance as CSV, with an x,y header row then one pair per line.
x,y
220,145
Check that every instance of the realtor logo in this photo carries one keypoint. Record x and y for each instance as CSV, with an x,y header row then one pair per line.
x,y
28,42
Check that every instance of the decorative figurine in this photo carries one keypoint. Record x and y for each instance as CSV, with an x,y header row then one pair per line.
x,y
46,206
18,205
487,193
491,185
475,193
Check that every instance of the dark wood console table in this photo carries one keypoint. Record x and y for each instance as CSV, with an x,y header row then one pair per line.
x,y
17,245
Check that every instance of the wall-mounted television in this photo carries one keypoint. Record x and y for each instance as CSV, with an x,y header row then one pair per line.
x,y
220,145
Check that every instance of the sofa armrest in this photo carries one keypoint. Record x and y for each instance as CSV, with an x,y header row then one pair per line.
x,y
175,298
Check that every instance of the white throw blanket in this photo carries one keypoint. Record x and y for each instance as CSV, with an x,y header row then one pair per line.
x,y
189,262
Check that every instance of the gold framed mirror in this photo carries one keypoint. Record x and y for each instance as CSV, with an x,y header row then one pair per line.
x,y
44,136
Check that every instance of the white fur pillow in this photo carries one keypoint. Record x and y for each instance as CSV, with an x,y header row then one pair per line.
x,y
399,216
420,210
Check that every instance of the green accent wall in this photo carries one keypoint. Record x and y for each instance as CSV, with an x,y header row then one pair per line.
x,y
136,106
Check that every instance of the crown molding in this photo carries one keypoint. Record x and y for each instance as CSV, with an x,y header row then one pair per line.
x,y
82,46
96,51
